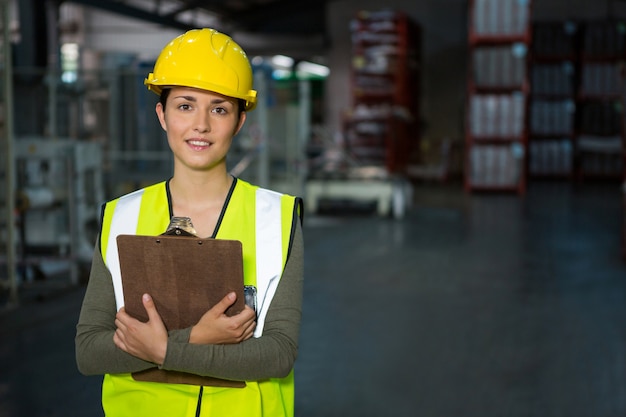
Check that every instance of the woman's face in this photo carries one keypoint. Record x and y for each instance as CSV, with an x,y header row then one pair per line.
x,y
200,126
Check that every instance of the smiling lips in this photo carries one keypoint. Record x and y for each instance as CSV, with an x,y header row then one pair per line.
x,y
199,144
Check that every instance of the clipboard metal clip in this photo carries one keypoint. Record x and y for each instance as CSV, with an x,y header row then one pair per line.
x,y
181,226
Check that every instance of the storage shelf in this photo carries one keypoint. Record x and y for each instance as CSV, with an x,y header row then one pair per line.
x,y
498,188
497,40
600,59
585,97
553,63
553,97
498,88
555,59
482,89
550,136
491,140
601,102
588,55
382,126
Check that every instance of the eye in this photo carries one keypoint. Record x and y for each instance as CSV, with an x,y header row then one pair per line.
x,y
184,106
220,110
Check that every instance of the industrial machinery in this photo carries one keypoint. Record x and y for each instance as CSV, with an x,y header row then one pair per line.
x,y
58,192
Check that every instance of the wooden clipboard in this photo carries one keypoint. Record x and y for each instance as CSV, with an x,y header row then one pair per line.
x,y
185,276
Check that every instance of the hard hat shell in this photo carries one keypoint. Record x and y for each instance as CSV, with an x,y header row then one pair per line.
x,y
204,59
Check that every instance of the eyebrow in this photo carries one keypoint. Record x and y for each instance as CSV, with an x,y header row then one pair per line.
x,y
193,98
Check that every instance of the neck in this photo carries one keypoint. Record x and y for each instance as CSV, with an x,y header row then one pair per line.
x,y
201,198
199,188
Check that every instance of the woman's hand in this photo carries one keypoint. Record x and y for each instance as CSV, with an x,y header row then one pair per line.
x,y
147,341
215,327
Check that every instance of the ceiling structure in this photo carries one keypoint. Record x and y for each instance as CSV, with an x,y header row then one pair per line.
x,y
261,17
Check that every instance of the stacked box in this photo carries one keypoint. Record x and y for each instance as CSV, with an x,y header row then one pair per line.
x,y
496,166
604,39
501,66
550,157
601,79
602,165
553,79
497,115
498,88
552,118
599,143
602,117
552,109
501,17
601,156
554,39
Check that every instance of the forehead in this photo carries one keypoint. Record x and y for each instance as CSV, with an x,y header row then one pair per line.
x,y
198,94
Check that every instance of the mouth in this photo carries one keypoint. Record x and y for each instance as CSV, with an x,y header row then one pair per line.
x,y
198,144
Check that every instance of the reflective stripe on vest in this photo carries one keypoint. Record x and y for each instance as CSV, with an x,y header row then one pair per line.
x,y
269,259
124,221
270,253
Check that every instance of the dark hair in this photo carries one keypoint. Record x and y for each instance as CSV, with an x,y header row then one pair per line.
x,y
163,97
241,103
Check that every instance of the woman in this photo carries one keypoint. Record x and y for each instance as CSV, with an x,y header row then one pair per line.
x,y
204,80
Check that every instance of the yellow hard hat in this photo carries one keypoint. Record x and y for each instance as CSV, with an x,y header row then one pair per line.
x,y
204,59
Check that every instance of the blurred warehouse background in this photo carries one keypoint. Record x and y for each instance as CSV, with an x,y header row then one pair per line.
x,y
358,102
366,107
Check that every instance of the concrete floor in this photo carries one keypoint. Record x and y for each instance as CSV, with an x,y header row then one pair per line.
x,y
472,306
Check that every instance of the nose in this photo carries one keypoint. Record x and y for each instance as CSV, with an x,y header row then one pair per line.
x,y
202,122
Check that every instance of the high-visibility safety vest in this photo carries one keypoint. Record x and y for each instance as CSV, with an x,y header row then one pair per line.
x,y
264,222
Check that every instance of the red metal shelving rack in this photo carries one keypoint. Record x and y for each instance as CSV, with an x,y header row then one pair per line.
x,y
599,144
382,126
497,95
551,125
380,130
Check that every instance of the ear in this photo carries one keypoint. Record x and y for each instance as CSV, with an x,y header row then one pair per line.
x,y
161,115
242,120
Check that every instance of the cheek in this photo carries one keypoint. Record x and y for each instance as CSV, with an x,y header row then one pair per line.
x,y
172,125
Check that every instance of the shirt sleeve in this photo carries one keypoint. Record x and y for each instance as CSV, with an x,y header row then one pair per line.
x,y
95,351
270,356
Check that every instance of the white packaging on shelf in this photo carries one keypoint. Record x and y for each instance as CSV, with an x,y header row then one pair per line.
x,y
501,17
493,115
550,157
496,165
503,66
601,78
551,117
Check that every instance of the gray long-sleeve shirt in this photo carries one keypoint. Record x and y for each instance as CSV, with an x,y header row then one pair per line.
x,y
270,356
